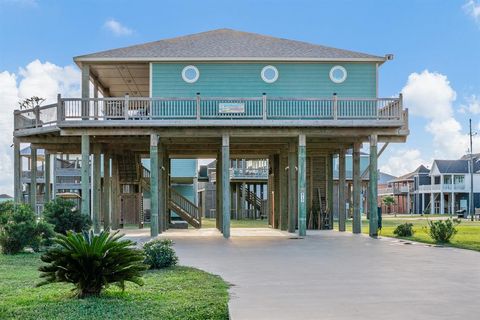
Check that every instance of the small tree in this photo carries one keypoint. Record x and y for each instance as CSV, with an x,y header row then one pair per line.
x,y
160,254
388,201
19,229
64,215
442,230
92,262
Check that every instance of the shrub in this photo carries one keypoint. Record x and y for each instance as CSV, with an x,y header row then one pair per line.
x,y
442,230
65,217
404,230
92,262
19,229
160,254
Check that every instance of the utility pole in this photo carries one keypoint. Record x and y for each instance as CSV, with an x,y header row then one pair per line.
x,y
470,202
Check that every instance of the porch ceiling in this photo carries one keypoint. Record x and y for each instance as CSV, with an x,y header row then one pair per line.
x,y
116,80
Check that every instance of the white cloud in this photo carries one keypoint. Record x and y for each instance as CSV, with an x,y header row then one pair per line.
x,y
430,96
40,79
472,8
117,28
403,162
473,105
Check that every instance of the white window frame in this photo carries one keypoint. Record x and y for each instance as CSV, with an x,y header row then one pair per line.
x,y
184,74
262,74
335,80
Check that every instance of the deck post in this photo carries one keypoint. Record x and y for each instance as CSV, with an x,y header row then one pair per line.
x,y
85,90
218,188
283,193
166,185
17,171
292,187
357,188
341,190
242,202
96,188
115,194
276,191
302,185
330,190
226,185
106,191
238,201
47,176
85,179
162,188
373,187
33,178
154,187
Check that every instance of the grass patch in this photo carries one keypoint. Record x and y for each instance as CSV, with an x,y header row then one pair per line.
x,y
245,223
173,293
468,236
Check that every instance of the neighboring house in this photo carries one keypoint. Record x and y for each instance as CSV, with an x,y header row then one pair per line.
x,y
446,189
222,94
248,187
401,189
5,197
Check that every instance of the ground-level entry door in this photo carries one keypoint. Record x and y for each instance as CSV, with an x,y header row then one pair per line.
x,y
130,208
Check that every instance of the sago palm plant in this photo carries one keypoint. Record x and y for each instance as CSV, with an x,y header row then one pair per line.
x,y
92,262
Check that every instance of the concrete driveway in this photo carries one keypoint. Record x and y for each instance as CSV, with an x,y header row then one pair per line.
x,y
332,275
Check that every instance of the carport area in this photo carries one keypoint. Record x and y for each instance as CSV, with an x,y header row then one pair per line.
x,y
332,275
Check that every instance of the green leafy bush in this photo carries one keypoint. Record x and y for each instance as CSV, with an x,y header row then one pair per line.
x,y
160,254
92,262
65,217
442,230
404,230
19,229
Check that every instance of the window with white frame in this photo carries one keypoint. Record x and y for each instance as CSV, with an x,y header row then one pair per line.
x,y
338,74
459,179
190,74
269,74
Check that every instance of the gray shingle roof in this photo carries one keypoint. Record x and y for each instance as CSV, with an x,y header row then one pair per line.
x,y
452,166
227,44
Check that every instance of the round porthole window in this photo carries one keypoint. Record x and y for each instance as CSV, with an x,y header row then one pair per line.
x,y
190,74
269,74
338,74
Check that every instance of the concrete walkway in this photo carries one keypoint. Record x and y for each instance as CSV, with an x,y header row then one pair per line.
x,y
332,275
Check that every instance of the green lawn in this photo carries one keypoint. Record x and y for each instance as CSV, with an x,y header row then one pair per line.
x,y
246,223
468,236
174,293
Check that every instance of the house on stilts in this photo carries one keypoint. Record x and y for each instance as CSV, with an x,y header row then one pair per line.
x,y
224,95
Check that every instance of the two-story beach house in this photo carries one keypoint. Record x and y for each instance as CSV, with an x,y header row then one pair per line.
x,y
222,94
445,188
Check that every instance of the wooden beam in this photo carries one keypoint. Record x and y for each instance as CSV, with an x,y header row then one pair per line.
x,y
283,192
106,209
96,189
341,191
33,178
48,176
292,187
85,179
154,187
373,188
226,186
329,163
302,189
357,187
17,171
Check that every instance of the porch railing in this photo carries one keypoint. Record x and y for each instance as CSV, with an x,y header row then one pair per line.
x,y
210,108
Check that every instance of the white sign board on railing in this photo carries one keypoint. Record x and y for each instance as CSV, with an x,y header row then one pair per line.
x,y
231,107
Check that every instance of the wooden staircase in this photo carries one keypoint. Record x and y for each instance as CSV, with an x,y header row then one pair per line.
x,y
186,209
255,201
128,169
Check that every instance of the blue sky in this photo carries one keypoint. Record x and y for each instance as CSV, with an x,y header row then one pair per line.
x,y
441,36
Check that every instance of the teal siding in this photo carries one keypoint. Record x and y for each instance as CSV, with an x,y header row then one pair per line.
x,y
183,168
243,80
186,190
